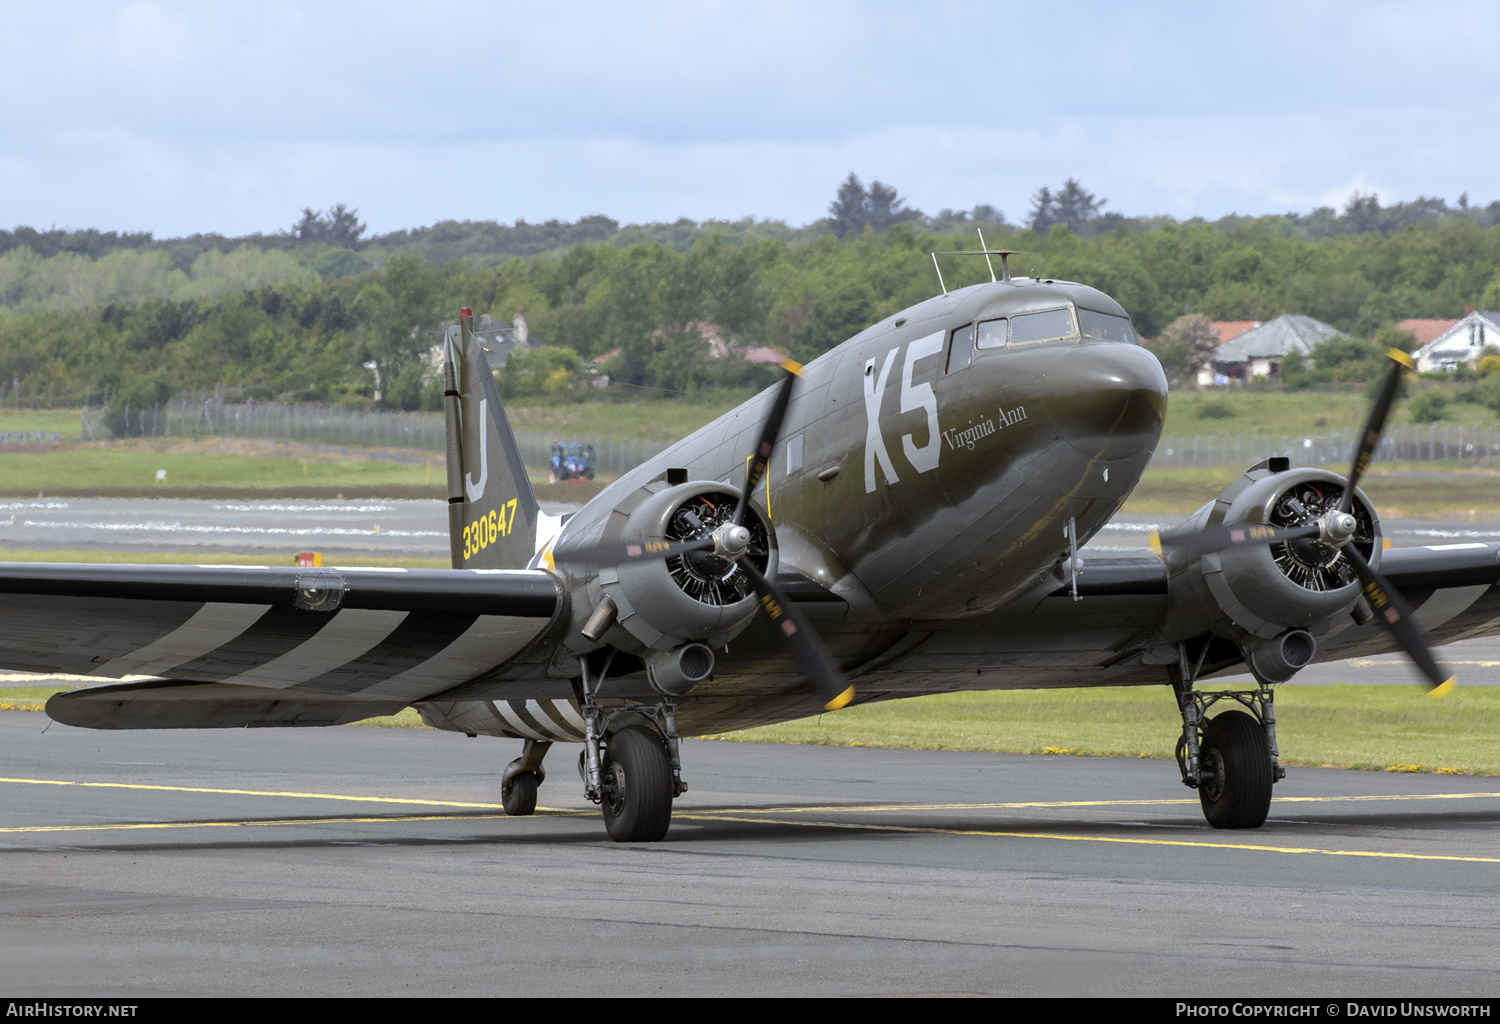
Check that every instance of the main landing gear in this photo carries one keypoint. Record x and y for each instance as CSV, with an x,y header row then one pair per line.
x,y
1230,759
631,766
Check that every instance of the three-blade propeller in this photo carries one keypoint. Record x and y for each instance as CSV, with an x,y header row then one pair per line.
x,y
731,544
1335,528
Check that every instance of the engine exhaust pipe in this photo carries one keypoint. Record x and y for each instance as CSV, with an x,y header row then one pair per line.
x,y
1276,661
675,672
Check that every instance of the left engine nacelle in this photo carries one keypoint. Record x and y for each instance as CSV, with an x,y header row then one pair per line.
x,y
1257,593
664,603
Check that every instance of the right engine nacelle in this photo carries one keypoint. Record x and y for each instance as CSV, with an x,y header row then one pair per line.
x,y
1258,592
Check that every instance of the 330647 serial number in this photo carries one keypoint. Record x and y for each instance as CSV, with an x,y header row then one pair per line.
x,y
481,533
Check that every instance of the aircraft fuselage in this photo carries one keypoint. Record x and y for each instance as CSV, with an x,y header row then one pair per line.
x,y
929,465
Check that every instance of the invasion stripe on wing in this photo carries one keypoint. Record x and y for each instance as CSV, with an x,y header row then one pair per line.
x,y
349,634
210,628
421,637
491,640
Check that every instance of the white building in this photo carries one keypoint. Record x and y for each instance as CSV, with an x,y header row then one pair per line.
x,y
1461,343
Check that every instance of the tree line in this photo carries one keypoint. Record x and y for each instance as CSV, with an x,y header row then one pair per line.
x,y
638,309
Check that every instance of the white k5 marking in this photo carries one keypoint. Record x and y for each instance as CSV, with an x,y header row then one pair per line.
x,y
922,459
874,442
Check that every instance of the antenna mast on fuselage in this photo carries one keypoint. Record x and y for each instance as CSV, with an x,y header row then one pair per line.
x,y
986,252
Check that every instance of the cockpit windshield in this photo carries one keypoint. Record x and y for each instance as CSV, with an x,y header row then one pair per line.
x,y
1105,327
1047,325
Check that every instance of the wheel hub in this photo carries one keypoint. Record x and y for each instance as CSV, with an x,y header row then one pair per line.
x,y
1211,781
612,786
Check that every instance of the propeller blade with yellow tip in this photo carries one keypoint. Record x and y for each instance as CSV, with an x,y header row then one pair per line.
x,y
1395,615
806,646
1370,439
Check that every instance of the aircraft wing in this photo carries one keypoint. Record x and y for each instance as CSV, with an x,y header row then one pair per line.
x,y
1454,591
242,645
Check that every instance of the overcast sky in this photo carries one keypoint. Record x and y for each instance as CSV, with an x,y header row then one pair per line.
x,y
185,117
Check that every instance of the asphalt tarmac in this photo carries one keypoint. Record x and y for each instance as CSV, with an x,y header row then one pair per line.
x,y
364,861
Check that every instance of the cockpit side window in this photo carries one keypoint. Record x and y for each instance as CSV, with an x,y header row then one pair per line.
x,y
992,333
961,348
1106,327
1046,325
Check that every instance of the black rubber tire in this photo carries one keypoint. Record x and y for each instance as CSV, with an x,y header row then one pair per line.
x,y
1235,783
519,795
637,787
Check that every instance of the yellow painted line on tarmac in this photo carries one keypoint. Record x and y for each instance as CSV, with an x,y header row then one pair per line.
x,y
147,825
257,792
796,809
1045,804
1002,834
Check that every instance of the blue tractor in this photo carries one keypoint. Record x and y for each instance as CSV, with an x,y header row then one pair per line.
x,y
571,462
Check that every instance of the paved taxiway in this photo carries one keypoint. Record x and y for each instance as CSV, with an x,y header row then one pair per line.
x,y
368,861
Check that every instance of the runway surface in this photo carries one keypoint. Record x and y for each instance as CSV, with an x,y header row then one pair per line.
x,y
374,862
372,527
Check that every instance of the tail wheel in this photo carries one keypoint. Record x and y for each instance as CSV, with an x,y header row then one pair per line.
x,y
518,796
1235,785
636,785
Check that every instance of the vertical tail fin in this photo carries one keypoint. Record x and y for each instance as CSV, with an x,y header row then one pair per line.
x,y
493,514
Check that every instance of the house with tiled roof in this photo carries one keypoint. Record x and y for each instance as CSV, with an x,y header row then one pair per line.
x,y
1427,331
1258,352
1227,330
1461,343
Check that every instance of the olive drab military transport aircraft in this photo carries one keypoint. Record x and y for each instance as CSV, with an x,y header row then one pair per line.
x,y
901,516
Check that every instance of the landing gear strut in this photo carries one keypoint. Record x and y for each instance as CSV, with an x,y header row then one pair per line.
x,y
632,769
1231,759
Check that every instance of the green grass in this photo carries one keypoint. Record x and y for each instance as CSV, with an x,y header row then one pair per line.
x,y
1271,412
1459,494
1366,727
56,421
655,419
105,467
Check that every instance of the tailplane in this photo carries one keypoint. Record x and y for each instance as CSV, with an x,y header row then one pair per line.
x,y
493,515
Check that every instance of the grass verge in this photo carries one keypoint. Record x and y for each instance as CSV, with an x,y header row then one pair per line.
x,y
1376,728
1431,491
1370,728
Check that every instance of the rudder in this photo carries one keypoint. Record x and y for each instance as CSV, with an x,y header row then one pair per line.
x,y
493,515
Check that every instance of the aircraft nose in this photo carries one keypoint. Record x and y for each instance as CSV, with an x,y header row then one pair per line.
x,y
1107,401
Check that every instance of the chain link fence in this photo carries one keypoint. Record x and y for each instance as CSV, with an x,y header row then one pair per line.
x,y
201,416
1477,447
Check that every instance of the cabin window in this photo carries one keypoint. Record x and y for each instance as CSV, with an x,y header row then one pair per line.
x,y
1047,325
992,333
961,348
1105,327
